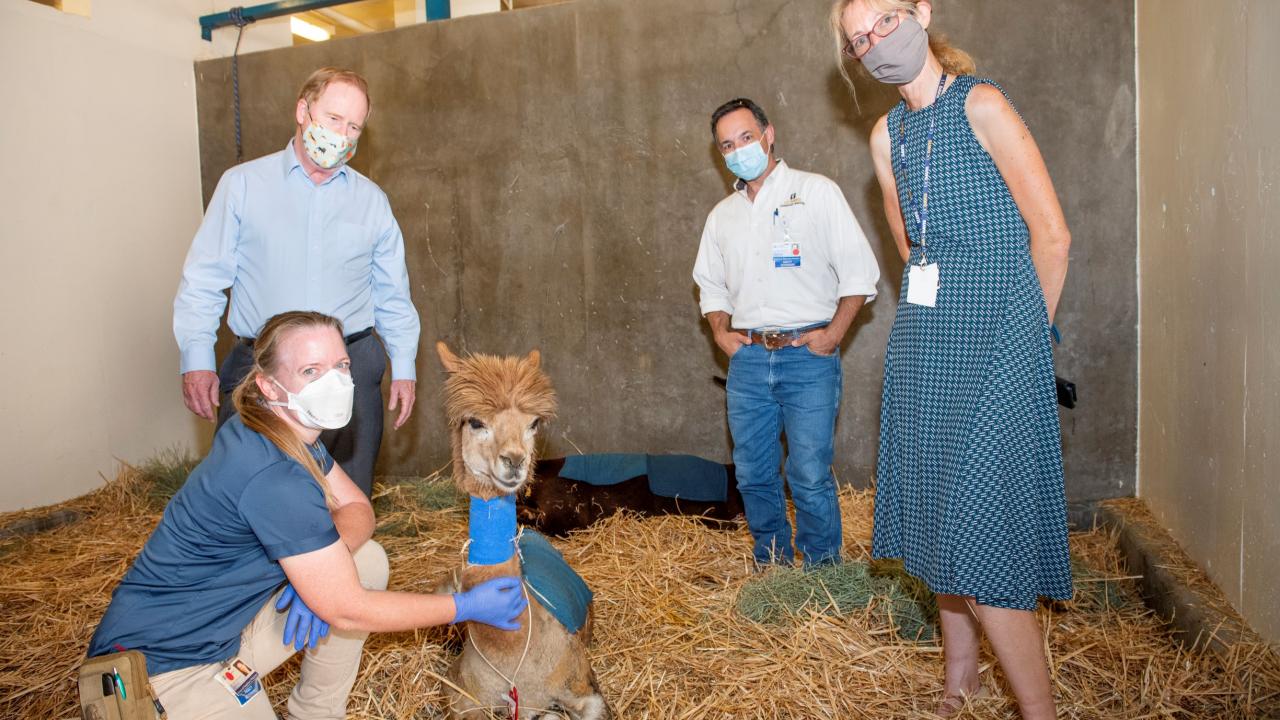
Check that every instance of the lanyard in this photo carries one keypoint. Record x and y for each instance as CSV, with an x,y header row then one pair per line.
x,y
922,209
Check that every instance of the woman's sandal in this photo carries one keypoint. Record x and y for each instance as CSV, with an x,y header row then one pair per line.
x,y
951,705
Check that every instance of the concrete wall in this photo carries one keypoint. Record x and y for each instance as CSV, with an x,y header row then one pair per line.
x,y
1209,164
101,193
552,169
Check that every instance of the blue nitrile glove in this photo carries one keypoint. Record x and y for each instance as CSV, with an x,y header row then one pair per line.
x,y
497,602
303,628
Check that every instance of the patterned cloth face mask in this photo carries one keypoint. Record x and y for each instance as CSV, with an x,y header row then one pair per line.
x,y
325,147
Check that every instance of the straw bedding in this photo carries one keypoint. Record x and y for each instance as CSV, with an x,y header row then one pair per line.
x,y
684,629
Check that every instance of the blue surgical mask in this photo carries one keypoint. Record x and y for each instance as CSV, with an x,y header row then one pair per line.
x,y
748,162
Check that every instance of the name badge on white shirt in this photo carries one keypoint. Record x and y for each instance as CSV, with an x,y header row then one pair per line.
x,y
786,254
922,285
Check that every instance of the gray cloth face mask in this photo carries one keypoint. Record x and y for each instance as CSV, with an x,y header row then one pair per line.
x,y
899,58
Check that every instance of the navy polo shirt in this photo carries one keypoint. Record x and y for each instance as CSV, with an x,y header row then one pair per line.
x,y
214,559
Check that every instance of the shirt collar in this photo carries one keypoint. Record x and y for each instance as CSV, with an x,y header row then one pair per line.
x,y
291,162
779,170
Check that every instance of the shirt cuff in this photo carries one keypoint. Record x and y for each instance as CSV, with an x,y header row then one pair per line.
x,y
197,358
290,548
858,289
402,367
715,304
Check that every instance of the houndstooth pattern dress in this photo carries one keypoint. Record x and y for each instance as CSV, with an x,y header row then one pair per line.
x,y
969,479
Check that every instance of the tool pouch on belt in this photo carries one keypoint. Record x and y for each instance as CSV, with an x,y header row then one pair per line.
x,y
116,687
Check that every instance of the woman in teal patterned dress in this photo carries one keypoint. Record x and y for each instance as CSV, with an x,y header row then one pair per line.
x,y
969,478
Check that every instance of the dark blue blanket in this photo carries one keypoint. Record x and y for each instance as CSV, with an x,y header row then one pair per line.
x,y
685,477
552,583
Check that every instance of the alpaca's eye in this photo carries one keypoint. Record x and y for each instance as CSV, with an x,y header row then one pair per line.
x,y
475,424
536,422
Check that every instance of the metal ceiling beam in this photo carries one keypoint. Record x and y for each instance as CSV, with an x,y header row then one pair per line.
x,y
209,23
436,10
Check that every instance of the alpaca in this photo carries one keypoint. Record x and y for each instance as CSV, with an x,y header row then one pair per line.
x,y
558,505
495,407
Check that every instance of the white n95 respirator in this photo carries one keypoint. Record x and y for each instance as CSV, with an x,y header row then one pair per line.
x,y
324,404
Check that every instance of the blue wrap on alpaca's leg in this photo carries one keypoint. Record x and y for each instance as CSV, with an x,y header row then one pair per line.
x,y
493,530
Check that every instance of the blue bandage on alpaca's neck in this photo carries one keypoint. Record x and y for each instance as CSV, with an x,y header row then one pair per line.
x,y
493,530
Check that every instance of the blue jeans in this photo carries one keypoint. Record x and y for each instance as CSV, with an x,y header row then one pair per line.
x,y
788,390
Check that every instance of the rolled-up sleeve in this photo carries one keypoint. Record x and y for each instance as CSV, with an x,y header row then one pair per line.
x,y
709,273
855,266
394,316
209,269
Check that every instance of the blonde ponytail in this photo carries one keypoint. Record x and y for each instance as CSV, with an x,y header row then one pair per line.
x,y
954,61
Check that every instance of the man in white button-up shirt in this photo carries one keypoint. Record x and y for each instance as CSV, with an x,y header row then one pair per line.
x,y
783,269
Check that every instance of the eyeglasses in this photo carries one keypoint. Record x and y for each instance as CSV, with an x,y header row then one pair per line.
x,y
860,44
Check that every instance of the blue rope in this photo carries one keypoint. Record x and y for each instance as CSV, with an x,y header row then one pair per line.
x,y
238,19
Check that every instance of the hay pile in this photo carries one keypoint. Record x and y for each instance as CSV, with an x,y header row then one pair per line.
x,y
891,597
673,636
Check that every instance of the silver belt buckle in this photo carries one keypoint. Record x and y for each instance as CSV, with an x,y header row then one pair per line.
x,y
774,338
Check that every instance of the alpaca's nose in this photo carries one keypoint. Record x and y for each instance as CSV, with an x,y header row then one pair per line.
x,y
512,462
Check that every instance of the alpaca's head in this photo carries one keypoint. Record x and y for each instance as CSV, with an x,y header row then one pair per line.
x,y
495,406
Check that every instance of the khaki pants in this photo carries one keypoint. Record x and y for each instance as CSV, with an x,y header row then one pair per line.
x,y
328,670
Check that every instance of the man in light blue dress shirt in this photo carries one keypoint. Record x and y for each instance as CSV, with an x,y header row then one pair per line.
x,y
300,230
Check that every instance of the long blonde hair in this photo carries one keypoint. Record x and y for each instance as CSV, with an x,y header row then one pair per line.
x,y
954,60
252,404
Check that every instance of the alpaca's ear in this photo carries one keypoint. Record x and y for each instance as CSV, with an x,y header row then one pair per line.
x,y
534,359
447,358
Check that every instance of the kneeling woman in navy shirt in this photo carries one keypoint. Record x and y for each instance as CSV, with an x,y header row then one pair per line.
x,y
269,522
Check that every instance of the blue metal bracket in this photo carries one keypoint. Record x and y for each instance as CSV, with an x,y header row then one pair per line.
x,y
209,23
438,9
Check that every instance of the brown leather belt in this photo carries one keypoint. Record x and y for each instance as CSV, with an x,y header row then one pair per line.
x,y
775,339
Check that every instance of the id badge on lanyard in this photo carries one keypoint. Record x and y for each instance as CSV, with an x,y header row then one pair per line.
x,y
922,277
785,249
922,285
